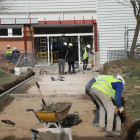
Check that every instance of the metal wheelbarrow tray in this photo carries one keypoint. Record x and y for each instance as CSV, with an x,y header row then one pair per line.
x,y
55,112
56,131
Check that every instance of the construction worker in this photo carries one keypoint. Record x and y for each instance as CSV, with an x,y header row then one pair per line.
x,y
61,58
102,92
8,54
70,58
87,89
85,56
15,55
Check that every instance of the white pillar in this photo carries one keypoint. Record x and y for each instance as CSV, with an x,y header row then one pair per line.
x,y
79,48
48,51
93,47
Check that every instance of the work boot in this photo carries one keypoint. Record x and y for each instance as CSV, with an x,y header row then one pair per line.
x,y
120,131
59,74
112,134
102,129
95,124
73,73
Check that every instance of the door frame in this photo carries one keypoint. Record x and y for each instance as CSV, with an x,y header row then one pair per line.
x,y
59,35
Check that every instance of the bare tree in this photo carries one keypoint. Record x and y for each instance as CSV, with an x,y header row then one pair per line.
x,y
5,5
135,4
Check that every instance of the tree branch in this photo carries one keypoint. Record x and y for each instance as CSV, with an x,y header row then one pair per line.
x,y
124,3
134,7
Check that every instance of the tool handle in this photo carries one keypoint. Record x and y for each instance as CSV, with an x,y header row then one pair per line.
x,y
38,86
8,122
29,110
40,93
12,123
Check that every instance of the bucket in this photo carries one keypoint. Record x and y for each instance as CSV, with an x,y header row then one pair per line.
x,y
17,71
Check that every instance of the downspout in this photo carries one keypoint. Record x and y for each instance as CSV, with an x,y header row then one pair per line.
x,y
25,39
95,36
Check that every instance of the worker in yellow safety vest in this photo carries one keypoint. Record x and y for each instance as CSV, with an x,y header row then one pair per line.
x,y
87,91
85,55
8,54
102,92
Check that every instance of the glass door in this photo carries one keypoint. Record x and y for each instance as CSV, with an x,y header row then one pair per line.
x,y
84,40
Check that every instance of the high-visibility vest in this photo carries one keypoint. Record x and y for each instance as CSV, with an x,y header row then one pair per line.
x,y
105,86
9,52
85,54
100,77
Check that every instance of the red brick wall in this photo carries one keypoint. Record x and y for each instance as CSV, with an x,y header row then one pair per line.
x,y
17,42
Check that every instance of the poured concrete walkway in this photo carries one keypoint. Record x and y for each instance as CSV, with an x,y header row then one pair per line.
x,y
74,85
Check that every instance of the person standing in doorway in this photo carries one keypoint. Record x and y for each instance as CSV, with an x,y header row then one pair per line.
x,y
61,58
85,56
70,58
8,54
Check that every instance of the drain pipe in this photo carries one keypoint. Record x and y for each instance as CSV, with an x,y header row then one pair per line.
x,y
8,92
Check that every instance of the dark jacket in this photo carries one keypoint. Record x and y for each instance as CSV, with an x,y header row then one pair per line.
x,y
15,55
62,52
70,54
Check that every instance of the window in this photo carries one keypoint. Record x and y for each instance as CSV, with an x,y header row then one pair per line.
x,y
17,32
3,32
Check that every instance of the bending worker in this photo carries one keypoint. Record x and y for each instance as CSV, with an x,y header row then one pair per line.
x,y
85,56
102,92
87,89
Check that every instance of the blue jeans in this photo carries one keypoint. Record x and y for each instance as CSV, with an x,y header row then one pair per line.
x,y
71,64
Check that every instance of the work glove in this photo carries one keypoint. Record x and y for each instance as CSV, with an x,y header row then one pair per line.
x,y
121,109
116,109
82,59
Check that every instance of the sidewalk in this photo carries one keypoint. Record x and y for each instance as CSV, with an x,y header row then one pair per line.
x,y
74,85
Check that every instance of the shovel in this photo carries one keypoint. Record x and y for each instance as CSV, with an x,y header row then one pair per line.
x,y
38,86
43,136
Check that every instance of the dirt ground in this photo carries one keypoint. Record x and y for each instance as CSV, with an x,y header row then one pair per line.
x,y
6,66
16,112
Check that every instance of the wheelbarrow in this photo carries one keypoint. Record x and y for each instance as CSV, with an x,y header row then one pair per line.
x,y
59,133
54,114
45,133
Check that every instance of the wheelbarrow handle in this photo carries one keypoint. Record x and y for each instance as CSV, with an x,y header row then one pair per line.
x,y
35,114
8,122
29,110
12,123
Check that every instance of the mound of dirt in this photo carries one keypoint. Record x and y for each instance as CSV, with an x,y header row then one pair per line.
x,y
6,66
121,67
17,81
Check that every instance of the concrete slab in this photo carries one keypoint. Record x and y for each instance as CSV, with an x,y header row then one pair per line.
x,y
74,85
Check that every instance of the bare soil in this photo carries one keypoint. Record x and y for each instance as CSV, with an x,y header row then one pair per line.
x,y
16,112
6,66
16,81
